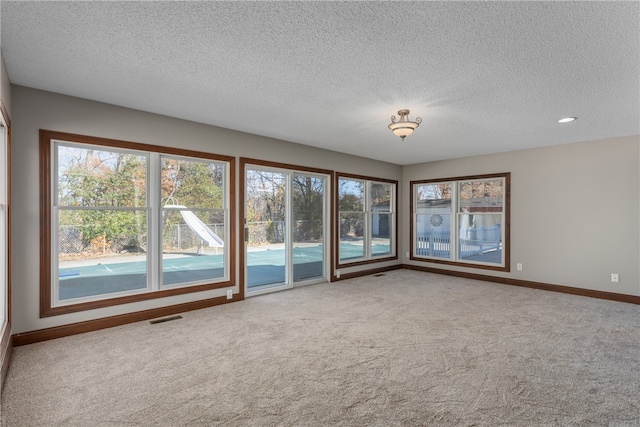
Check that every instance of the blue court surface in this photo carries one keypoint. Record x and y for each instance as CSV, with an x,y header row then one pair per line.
x,y
263,267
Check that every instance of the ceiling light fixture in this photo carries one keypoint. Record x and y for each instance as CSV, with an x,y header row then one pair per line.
x,y
403,127
567,119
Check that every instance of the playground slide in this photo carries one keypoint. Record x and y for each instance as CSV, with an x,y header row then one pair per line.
x,y
199,227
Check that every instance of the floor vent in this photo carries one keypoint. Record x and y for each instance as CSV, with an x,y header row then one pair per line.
x,y
166,319
378,275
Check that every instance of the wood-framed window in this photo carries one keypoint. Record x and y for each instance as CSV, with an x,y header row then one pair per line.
x,y
462,221
124,222
367,221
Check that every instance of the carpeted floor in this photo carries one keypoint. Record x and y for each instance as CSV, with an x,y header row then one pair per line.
x,y
403,349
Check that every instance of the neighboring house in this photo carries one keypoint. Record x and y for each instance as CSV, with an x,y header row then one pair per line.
x,y
380,223
478,234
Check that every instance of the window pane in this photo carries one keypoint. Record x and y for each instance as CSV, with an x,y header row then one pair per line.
x,y
99,177
266,212
480,238
351,195
192,183
381,197
192,245
433,222
101,252
433,234
381,224
433,195
481,196
351,235
308,235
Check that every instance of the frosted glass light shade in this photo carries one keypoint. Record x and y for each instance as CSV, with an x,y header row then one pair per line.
x,y
403,127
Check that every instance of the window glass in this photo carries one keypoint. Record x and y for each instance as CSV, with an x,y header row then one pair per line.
x,y
481,206
367,219
433,220
192,183
101,252
380,205
462,221
482,196
97,177
193,245
193,220
480,238
351,195
352,218
126,221
308,213
381,234
381,197
351,235
101,235
285,214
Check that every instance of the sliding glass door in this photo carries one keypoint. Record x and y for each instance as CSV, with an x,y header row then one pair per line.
x,y
308,206
265,212
285,214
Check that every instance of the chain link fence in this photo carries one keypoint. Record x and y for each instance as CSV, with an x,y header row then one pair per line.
x,y
176,238
72,244
268,232
179,238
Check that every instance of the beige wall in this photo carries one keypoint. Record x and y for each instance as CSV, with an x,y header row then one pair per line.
x,y
34,110
575,208
575,211
5,85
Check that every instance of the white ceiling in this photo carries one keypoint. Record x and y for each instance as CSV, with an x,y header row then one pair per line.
x,y
484,77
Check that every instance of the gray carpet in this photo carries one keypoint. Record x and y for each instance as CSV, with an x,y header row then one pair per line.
x,y
403,349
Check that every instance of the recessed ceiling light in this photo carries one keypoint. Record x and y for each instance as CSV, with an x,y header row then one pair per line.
x,y
567,119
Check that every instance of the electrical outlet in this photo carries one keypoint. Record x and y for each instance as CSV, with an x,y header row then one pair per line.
x,y
406,254
519,267
337,274
615,278
229,294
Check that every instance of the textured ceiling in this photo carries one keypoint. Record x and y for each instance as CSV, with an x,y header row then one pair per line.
x,y
484,77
